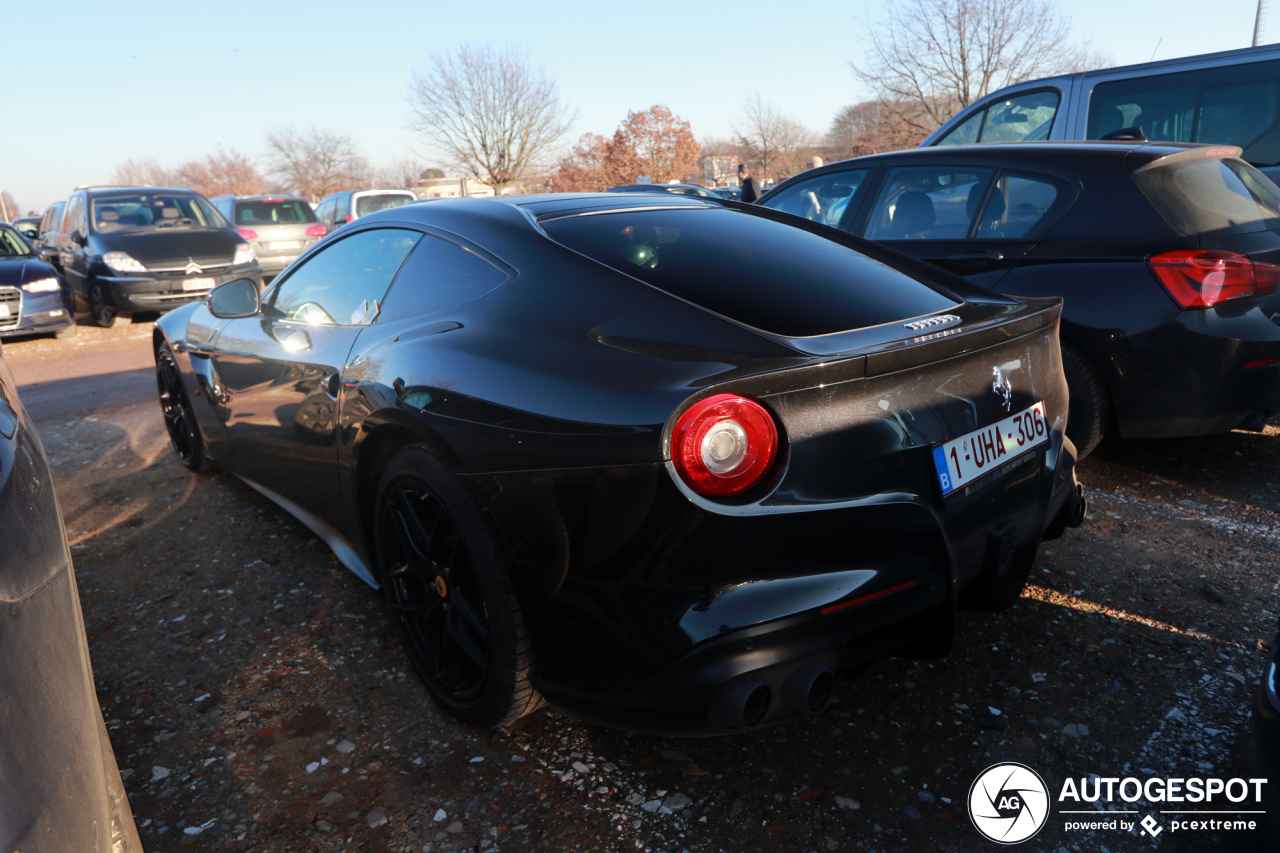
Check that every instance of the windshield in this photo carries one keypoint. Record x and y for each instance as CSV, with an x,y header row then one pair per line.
x,y
273,211
367,204
12,245
762,273
144,211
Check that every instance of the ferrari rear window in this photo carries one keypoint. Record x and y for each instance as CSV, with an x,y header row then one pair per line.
x,y
764,274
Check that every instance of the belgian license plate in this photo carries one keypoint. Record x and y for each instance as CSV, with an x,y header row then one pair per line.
x,y
284,244
197,283
963,460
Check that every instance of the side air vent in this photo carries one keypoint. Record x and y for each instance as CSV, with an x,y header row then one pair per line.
x,y
932,322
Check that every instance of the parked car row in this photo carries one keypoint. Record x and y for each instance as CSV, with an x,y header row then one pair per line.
x,y
1166,255
119,250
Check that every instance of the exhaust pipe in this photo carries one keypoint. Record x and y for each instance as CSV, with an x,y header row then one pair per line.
x,y
808,689
743,705
1077,507
1072,514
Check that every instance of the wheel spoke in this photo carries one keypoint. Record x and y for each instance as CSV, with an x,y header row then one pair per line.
x,y
470,616
412,535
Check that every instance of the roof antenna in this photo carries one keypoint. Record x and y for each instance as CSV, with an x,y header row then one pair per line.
x,y
1153,53
1257,21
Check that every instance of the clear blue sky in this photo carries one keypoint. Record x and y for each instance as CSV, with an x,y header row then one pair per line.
x,y
103,82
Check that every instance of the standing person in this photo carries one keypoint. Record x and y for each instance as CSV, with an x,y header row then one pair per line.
x,y
750,186
814,162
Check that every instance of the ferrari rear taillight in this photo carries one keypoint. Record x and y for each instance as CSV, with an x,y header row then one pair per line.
x,y
247,233
317,231
1203,278
724,445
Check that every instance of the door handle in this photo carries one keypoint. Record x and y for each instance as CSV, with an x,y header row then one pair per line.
x,y
978,256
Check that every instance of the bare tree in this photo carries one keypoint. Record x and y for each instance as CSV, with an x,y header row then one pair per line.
x,y
9,209
315,162
871,127
225,172
404,172
940,55
143,172
777,144
489,111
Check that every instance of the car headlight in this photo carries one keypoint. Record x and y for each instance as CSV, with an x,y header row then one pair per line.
x,y
121,262
41,285
244,254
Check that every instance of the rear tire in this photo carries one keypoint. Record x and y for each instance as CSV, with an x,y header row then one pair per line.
x,y
1089,411
179,419
449,594
102,312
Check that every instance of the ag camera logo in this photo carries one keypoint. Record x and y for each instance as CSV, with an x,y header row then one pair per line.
x,y
1008,803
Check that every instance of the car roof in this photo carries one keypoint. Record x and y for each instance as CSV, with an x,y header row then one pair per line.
x,y
1041,153
126,190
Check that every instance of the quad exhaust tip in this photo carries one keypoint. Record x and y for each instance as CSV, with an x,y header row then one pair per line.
x,y
744,705
809,688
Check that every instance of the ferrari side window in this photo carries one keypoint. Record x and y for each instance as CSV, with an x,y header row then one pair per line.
x,y
343,284
439,274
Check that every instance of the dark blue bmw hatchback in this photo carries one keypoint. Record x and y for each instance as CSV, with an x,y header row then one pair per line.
x,y
34,297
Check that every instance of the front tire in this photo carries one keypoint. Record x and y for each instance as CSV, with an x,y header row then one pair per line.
x,y
179,419
101,310
449,594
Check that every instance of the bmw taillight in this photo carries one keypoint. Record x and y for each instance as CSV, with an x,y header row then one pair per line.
x,y
247,233
724,445
1202,278
317,231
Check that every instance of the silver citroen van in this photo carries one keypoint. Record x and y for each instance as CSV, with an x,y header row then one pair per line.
x,y
1231,98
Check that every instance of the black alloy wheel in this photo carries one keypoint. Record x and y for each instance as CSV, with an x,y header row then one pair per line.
x,y
449,595
102,312
179,420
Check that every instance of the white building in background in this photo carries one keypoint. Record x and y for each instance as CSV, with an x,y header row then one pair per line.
x,y
455,187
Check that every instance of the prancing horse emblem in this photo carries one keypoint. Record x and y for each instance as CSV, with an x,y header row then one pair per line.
x,y
1002,387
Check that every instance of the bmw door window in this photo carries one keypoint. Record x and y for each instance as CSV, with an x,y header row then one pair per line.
x,y
928,203
438,275
822,199
342,284
1018,207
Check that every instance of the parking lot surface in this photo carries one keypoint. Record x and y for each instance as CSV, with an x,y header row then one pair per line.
x,y
258,699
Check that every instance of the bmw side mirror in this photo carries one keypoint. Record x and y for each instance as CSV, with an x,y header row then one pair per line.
x,y
235,299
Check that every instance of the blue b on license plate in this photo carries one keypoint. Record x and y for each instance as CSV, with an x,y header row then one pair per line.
x,y
963,460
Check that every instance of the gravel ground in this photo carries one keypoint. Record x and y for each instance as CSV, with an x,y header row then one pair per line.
x,y
257,697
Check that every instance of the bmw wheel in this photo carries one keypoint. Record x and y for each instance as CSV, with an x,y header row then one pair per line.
x,y
449,594
179,419
1089,410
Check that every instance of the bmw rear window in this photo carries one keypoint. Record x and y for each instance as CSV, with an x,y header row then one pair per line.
x,y
273,212
764,274
1209,195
